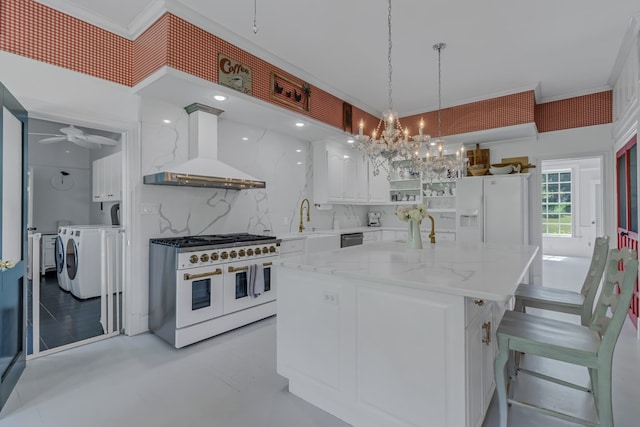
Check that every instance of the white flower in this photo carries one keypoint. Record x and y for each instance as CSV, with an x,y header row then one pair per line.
x,y
417,212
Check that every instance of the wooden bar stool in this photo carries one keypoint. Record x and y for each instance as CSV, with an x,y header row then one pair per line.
x,y
579,303
589,346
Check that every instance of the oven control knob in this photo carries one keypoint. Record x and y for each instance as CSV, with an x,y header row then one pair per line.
x,y
214,256
224,255
193,259
233,254
265,250
249,252
258,251
272,249
204,257
242,252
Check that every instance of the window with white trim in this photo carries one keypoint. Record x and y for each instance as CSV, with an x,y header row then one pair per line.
x,y
557,210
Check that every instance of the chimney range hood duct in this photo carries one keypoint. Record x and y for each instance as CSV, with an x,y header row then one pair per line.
x,y
203,169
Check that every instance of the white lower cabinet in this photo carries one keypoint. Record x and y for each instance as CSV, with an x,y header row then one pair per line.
x,y
291,247
379,355
48,253
480,353
371,236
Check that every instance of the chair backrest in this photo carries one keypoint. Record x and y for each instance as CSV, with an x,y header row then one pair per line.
x,y
594,277
611,308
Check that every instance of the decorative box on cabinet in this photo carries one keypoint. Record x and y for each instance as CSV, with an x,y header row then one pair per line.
x,y
107,178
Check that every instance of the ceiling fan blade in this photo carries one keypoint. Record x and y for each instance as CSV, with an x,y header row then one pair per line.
x,y
54,139
86,144
71,130
100,139
44,134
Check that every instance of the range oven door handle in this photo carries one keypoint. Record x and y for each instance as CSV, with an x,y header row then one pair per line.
x,y
216,272
234,269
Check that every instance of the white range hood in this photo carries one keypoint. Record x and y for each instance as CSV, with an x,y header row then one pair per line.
x,y
203,169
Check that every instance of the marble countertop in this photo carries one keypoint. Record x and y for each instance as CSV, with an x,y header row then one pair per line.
x,y
294,235
476,270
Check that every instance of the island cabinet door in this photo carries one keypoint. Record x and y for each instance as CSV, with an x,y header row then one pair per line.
x,y
480,352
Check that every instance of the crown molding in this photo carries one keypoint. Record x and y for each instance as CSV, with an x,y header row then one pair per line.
x,y
629,41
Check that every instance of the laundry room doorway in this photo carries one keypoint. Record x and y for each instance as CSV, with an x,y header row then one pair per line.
x,y
76,240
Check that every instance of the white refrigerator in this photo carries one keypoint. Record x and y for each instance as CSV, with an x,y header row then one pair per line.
x,y
493,209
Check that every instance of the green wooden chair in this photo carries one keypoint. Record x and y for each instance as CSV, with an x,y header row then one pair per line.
x,y
589,346
579,303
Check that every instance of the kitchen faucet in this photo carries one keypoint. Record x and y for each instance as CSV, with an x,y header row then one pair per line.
x,y
432,235
301,227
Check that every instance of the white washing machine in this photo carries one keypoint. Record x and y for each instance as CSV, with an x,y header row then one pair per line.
x,y
83,259
61,248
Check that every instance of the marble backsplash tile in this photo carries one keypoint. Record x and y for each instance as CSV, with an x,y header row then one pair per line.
x,y
284,162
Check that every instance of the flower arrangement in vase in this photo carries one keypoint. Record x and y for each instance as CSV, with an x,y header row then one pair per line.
x,y
413,215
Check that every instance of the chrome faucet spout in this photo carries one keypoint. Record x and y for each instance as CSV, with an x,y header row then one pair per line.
x,y
301,227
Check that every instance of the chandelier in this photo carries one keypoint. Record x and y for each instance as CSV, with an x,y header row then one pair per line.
x,y
390,140
436,165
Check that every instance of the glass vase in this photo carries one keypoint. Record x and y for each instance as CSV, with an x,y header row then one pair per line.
x,y
414,239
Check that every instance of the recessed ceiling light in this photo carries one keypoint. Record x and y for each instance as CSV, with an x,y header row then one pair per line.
x,y
219,97
345,156
299,124
67,151
298,151
167,121
299,163
244,138
351,140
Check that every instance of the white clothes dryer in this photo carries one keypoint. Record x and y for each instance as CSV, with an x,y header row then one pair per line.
x,y
83,260
60,250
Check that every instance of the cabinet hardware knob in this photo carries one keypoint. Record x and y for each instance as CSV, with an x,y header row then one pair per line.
x,y
487,333
479,302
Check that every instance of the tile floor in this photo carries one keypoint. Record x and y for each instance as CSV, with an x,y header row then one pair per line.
x,y
230,381
64,319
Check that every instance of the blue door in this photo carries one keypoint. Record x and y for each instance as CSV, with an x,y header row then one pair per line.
x,y
13,241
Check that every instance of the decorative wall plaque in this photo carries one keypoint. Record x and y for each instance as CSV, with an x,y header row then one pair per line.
x,y
289,92
235,75
347,117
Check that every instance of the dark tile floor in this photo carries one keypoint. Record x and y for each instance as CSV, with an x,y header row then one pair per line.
x,y
64,319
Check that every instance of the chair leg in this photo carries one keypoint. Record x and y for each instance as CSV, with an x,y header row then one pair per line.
x,y
501,383
603,394
519,305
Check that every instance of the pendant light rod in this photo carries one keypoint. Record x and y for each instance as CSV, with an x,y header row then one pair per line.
x,y
255,14
439,47
389,59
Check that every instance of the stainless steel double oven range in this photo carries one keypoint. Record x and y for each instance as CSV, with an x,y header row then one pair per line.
x,y
202,286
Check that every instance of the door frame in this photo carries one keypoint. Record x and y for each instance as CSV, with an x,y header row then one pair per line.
x,y
127,135
18,364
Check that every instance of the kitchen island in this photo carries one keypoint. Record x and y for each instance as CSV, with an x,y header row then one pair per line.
x,y
381,335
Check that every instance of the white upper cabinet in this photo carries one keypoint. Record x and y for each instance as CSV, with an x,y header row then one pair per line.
x,y
340,175
107,178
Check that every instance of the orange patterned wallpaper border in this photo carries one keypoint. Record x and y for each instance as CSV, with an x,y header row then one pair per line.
x,y
30,29
36,31
581,111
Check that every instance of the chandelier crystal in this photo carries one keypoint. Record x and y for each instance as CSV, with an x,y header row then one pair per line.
x,y
390,140
436,165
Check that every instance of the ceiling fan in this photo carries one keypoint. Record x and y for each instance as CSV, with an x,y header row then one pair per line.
x,y
78,137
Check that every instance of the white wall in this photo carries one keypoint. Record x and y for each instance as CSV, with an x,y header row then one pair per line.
x,y
51,204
